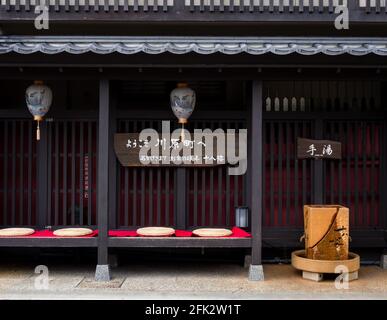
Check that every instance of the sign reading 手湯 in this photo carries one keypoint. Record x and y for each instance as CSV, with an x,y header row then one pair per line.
x,y
318,149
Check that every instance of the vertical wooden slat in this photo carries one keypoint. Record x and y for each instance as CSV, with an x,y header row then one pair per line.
x,y
372,173
271,6
27,6
340,163
331,7
296,191
13,185
211,196
150,196
228,200
64,168
364,174
251,6
272,198
280,172
158,196
356,175
221,5
135,6
5,174
90,172
321,6
143,196
348,167
304,170
201,6
73,128
81,170
49,172
29,182
291,6
261,6
332,169
192,5
76,6
181,183
126,188
288,155
42,178
135,191
281,6
203,195
57,187
195,195
167,196
21,174
231,6
220,197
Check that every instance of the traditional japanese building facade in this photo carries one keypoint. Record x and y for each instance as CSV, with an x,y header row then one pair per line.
x,y
279,68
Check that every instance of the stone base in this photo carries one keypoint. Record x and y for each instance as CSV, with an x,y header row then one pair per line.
x,y
256,273
102,273
312,276
383,261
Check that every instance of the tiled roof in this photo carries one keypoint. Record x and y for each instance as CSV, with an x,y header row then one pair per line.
x,y
200,45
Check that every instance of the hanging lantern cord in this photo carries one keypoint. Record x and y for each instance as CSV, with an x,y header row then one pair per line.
x,y
38,131
182,132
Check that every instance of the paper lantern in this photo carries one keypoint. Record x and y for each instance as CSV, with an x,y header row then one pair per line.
x,y
38,99
183,101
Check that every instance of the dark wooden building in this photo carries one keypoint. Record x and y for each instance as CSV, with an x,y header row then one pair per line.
x,y
279,68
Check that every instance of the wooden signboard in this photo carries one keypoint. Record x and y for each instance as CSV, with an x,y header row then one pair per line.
x,y
171,152
318,149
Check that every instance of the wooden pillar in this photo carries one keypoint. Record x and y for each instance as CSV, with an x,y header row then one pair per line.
x,y
255,179
102,271
42,209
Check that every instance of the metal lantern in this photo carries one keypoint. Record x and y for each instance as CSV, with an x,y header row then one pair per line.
x,y
38,99
242,217
183,101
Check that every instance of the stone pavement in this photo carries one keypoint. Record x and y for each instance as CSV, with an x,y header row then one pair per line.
x,y
183,281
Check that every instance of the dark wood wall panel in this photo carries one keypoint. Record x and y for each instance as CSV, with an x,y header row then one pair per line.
x,y
287,180
355,181
72,146
18,192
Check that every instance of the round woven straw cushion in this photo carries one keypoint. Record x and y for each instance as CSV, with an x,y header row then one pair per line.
x,y
156,232
16,232
73,232
209,232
